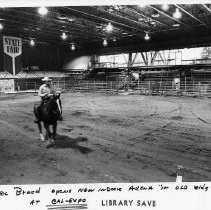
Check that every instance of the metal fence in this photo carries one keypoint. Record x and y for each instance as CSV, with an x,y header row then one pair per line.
x,y
140,87
27,86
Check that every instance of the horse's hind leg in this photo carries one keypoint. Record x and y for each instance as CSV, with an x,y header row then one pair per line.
x,y
40,129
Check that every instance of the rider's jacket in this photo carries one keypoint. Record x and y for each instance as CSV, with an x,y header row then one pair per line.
x,y
45,90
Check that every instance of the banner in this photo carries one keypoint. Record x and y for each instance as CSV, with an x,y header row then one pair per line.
x,y
110,196
12,48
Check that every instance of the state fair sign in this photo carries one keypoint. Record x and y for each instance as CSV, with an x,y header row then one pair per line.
x,y
13,48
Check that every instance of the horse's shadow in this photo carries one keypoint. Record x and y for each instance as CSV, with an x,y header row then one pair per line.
x,y
62,141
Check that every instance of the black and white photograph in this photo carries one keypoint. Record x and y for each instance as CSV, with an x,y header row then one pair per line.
x,y
105,93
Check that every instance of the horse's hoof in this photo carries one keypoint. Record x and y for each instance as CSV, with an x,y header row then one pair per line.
x,y
51,144
42,137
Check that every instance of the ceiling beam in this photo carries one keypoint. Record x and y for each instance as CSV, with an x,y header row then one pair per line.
x,y
57,23
89,24
117,32
169,16
100,19
69,29
146,47
132,9
19,27
40,24
206,7
126,18
22,34
169,27
47,32
192,16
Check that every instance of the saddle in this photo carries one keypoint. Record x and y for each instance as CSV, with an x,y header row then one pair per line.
x,y
45,101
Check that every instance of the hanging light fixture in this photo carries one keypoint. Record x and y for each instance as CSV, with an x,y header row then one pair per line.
x,y
176,25
165,7
32,43
114,39
147,37
105,43
1,26
43,11
72,47
153,23
177,14
155,14
64,36
109,27
142,5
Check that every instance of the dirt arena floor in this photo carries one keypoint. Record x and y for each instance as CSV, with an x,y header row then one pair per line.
x,y
107,138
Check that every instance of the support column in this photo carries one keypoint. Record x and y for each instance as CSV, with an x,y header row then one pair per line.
x,y
1,54
94,59
134,59
144,58
130,62
154,55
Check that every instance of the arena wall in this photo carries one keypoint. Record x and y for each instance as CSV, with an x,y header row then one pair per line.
x,y
46,57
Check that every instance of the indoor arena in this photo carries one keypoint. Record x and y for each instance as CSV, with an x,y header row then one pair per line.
x,y
135,88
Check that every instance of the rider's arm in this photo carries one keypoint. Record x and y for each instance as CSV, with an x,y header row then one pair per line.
x,y
40,92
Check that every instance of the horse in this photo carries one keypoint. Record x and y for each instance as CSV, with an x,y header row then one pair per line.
x,y
49,114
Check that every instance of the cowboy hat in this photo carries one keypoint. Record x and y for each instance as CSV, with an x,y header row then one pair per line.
x,y
46,79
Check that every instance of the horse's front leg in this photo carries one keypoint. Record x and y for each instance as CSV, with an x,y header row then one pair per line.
x,y
40,129
54,129
47,127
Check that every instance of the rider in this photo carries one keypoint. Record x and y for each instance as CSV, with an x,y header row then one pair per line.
x,y
44,91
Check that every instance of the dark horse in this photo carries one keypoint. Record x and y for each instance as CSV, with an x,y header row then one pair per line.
x,y
49,114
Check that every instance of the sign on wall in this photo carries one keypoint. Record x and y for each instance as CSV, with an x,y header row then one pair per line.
x,y
12,49
7,85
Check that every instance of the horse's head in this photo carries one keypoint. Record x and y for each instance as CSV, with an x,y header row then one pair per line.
x,y
56,95
55,104
52,97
